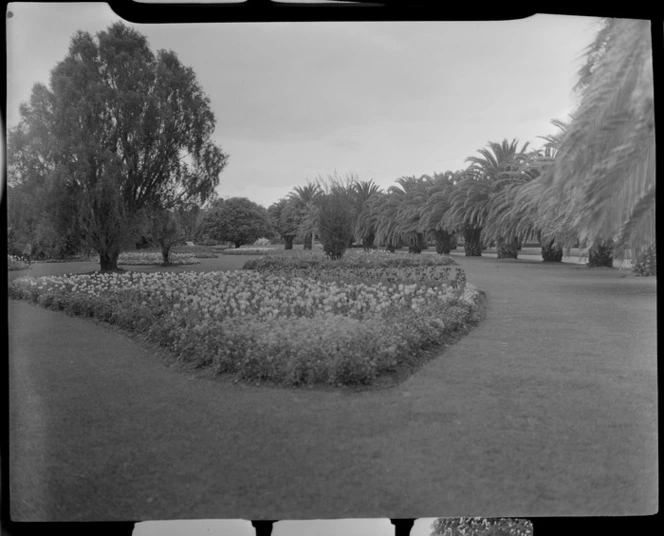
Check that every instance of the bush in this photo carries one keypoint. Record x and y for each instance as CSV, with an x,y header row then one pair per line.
x,y
646,264
151,258
335,223
15,262
249,251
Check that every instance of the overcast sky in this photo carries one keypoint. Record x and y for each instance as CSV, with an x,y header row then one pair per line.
x,y
383,100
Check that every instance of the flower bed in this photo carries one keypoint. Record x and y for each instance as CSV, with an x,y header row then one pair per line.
x,y
150,258
16,263
351,259
366,267
266,327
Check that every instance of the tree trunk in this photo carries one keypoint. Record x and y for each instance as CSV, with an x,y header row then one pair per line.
x,y
288,242
551,252
368,241
507,249
308,242
416,244
108,262
453,241
472,244
391,248
601,255
165,254
237,245
443,242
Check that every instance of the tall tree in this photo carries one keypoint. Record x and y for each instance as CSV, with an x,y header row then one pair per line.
x,y
536,212
469,204
305,198
437,204
502,165
363,226
604,171
411,194
119,129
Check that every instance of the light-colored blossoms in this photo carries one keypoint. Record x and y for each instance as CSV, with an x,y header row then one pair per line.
x,y
262,326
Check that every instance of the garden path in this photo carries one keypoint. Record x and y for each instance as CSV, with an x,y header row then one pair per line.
x,y
548,407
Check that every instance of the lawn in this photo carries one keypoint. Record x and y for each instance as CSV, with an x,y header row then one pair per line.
x,y
548,407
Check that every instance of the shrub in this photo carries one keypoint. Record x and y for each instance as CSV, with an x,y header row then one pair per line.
x,y
335,222
150,258
15,262
646,264
248,251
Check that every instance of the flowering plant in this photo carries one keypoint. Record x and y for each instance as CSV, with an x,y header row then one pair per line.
x,y
261,325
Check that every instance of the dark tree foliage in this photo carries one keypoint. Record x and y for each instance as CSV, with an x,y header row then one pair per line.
x,y
552,251
335,222
168,228
42,223
472,242
443,241
237,220
119,129
601,255
285,218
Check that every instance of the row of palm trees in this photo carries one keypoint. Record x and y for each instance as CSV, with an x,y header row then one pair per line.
x,y
592,184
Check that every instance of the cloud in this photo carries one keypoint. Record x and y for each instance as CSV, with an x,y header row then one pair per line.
x,y
346,144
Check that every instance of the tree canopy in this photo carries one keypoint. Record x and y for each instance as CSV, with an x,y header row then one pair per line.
x,y
118,129
237,220
604,169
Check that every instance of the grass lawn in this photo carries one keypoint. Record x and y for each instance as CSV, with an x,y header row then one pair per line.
x,y
547,408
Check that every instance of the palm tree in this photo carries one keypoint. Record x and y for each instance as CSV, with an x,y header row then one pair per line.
x,y
363,225
604,171
469,201
503,165
305,198
385,209
410,195
535,210
438,202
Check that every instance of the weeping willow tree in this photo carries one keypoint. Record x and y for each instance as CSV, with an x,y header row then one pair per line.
x,y
604,170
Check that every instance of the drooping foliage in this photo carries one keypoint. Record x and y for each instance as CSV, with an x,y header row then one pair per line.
x,y
604,169
118,129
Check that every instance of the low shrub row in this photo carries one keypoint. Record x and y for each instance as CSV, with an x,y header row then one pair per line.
x,y
249,251
150,258
263,327
352,259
